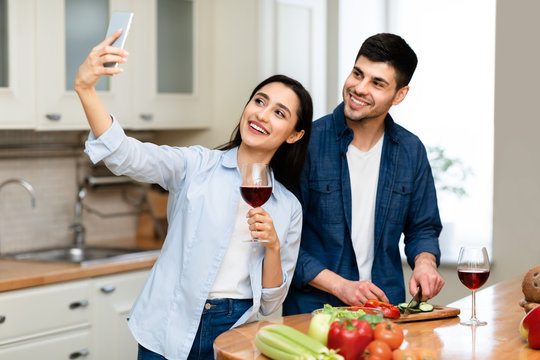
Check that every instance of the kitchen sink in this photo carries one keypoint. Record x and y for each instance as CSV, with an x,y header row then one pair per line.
x,y
84,255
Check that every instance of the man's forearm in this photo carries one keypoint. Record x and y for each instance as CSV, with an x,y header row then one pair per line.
x,y
326,281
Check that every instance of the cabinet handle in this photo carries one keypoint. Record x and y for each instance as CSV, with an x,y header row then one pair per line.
x,y
2,319
147,116
53,116
78,304
78,354
108,289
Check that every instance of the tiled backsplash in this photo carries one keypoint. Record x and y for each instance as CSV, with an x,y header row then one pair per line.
x,y
55,180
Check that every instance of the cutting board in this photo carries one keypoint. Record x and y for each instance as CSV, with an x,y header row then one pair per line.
x,y
439,312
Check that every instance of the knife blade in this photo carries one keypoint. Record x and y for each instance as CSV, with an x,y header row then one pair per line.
x,y
417,298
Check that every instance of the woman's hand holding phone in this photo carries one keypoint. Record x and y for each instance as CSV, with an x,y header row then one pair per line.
x,y
93,67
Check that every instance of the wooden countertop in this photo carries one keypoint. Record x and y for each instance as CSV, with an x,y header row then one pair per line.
x,y
17,274
499,339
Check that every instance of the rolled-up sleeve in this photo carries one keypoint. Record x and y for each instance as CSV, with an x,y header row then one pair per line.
x,y
99,148
272,298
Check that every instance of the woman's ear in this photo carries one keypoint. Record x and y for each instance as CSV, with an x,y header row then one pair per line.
x,y
295,136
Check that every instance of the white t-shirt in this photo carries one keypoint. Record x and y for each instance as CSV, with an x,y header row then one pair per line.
x,y
364,175
232,279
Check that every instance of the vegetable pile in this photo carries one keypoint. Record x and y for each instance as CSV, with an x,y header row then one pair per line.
x,y
340,334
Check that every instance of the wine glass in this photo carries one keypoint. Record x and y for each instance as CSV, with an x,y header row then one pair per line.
x,y
256,186
473,272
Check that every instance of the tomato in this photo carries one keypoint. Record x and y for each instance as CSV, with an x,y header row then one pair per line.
x,y
389,332
378,350
425,354
405,354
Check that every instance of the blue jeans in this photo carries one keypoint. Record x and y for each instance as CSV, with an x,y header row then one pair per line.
x,y
219,315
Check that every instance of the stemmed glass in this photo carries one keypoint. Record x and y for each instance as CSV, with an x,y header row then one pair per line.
x,y
256,186
473,271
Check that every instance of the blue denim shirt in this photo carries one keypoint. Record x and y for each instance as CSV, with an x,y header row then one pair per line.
x,y
204,190
406,203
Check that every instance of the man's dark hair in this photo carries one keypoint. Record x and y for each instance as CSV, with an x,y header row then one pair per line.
x,y
393,50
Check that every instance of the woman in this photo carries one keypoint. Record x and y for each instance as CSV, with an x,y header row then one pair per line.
x,y
207,279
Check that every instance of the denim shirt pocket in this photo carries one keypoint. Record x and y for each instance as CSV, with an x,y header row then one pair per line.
x,y
400,201
326,201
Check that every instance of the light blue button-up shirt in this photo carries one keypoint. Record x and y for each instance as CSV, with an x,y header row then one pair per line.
x,y
203,187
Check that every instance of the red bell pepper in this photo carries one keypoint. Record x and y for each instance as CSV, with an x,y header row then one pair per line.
x,y
388,310
350,337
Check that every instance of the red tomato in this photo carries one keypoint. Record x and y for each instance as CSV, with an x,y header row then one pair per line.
x,y
378,350
404,354
389,332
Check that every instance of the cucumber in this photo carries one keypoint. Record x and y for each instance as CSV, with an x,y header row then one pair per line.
x,y
425,307
402,306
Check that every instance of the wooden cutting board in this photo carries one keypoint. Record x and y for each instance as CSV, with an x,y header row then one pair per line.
x,y
439,312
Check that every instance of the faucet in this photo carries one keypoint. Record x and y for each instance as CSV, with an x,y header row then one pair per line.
x,y
77,227
25,184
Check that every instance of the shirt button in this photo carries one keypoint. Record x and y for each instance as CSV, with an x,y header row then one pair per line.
x,y
207,306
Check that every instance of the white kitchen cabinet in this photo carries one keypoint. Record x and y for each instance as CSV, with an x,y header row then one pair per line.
x,y
166,79
171,59
35,320
58,347
84,319
113,297
66,32
17,73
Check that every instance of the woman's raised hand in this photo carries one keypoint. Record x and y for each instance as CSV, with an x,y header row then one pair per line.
x,y
92,68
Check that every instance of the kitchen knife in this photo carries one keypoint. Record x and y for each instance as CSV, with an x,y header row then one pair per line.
x,y
417,298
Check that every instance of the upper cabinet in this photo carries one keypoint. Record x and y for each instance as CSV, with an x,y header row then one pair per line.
x,y
17,97
167,73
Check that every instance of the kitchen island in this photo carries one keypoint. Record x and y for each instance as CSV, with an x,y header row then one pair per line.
x,y
499,339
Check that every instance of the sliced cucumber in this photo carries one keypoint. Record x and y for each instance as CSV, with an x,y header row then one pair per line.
x,y
402,306
425,307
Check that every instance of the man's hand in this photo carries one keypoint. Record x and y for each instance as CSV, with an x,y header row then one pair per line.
x,y
348,291
426,275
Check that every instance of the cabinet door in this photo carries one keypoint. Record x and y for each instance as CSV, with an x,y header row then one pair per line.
x,y
34,312
17,64
72,345
113,297
172,64
67,30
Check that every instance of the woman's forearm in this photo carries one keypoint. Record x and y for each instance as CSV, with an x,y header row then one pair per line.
x,y
96,114
272,274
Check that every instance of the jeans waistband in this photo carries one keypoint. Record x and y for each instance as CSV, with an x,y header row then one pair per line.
x,y
226,305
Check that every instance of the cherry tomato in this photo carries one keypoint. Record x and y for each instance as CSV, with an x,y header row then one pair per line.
x,y
389,332
425,354
377,350
404,354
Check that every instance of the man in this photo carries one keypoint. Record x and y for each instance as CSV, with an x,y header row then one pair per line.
x,y
367,181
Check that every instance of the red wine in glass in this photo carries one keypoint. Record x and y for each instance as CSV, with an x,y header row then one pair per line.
x,y
255,195
473,271
473,278
256,186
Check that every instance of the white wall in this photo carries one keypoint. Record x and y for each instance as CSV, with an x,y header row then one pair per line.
x,y
516,203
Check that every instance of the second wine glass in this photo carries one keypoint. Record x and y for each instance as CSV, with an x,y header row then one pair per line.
x,y
256,186
473,271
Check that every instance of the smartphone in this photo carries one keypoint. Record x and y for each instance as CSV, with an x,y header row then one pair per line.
x,y
119,20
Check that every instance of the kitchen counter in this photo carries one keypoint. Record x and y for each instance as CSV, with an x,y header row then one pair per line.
x,y
499,339
17,274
